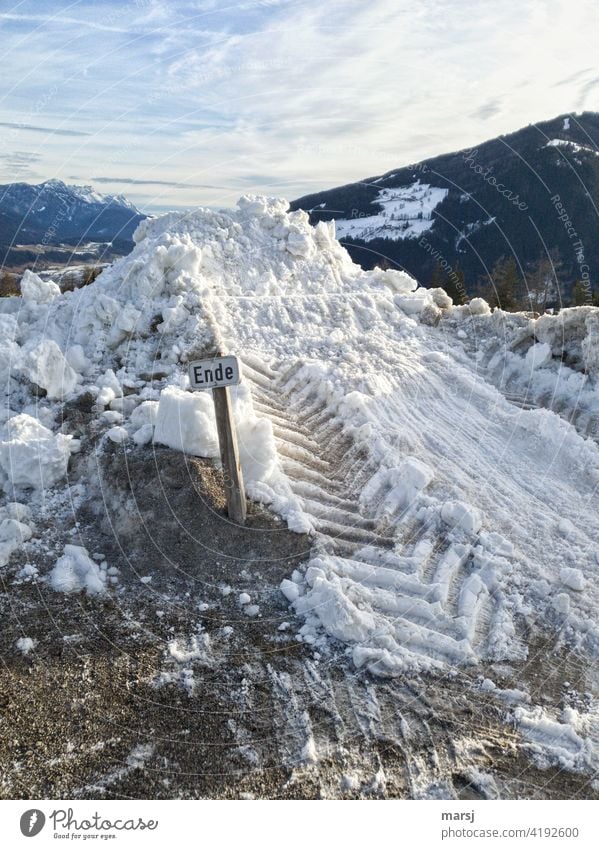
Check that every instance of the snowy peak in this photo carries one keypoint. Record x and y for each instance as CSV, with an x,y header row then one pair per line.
x,y
86,194
54,213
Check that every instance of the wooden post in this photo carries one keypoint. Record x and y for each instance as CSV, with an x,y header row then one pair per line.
x,y
229,455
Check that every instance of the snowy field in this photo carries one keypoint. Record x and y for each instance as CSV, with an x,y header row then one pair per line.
x,y
437,467
406,214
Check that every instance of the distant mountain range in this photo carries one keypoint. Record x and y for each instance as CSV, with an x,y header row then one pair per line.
x,y
526,195
52,220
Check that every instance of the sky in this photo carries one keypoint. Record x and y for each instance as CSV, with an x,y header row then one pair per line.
x,y
179,103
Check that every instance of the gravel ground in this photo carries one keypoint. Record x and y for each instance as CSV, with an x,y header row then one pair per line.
x,y
167,689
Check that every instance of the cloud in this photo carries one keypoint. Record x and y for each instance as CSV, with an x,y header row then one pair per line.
x,y
19,163
487,110
61,21
170,183
22,157
196,100
585,90
50,130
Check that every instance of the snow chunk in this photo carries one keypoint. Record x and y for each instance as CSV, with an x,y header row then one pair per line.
x,y
289,589
31,455
566,528
75,357
299,243
46,366
144,435
398,281
38,291
145,413
185,422
458,514
12,536
478,306
76,571
26,644
117,434
572,578
561,603
397,488
18,511
538,356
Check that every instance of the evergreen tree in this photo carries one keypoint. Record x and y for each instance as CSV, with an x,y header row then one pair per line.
x,y
503,290
437,277
581,295
543,283
455,285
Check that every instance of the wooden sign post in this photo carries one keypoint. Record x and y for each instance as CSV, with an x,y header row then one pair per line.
x,y
218,373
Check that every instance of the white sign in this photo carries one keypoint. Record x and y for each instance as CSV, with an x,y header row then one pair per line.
x,y
214,373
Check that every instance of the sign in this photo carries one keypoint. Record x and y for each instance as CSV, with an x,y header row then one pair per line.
x,y
218,373
214,372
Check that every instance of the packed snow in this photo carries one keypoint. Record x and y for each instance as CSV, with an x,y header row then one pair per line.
x,y
452,524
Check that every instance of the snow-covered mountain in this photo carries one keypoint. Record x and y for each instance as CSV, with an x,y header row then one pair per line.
x,y
526,195
53,213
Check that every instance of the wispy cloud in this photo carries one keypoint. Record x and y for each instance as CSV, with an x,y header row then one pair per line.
x,y
19,164
173,184
62,22
47,130
487,110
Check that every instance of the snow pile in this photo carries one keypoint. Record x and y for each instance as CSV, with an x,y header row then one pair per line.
x,y
126,338
381,375
551,361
